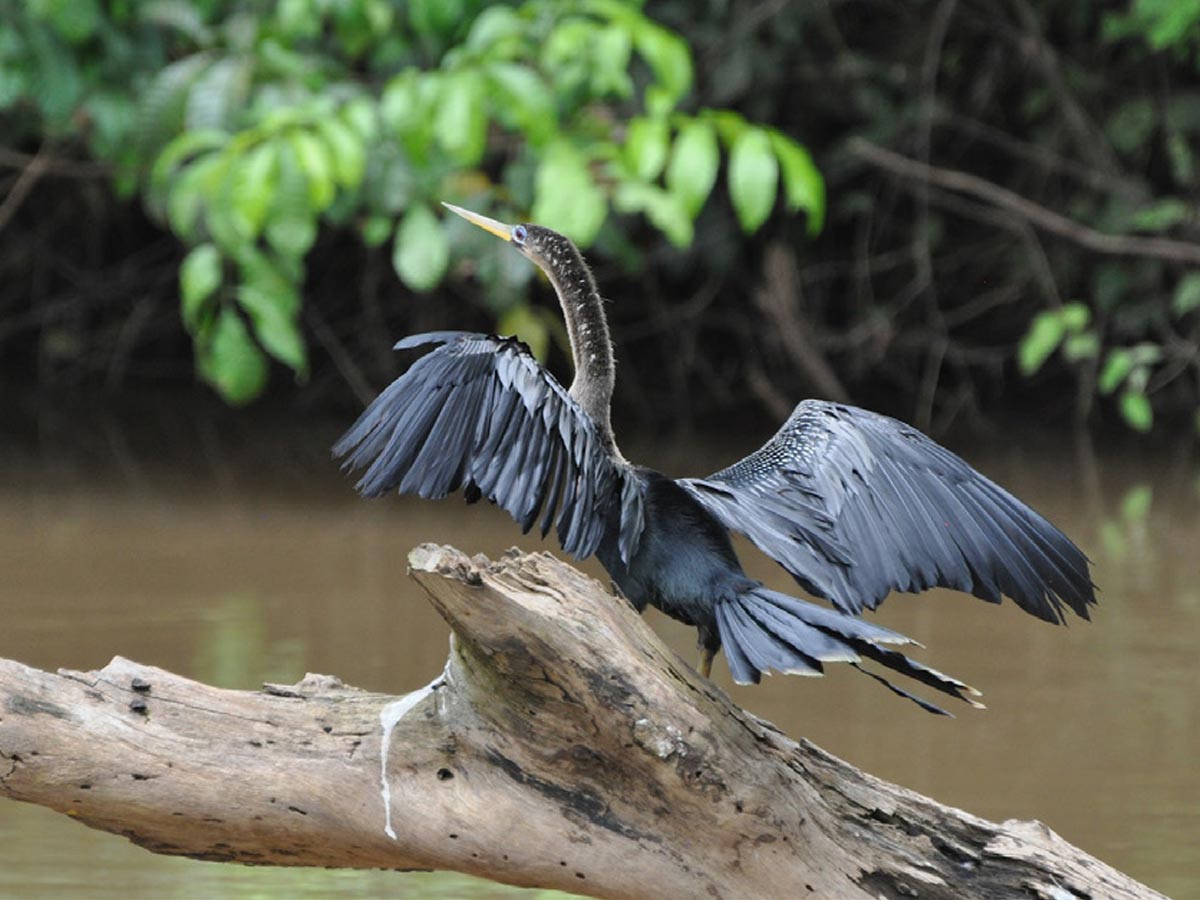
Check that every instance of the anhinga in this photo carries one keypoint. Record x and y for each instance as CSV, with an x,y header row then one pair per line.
x,y
853,504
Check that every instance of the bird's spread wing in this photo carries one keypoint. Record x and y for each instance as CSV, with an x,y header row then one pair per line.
x,y
856,505
481,413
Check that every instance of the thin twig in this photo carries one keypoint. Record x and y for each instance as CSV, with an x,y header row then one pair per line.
x,y
779,298
1009,201
342,360
28,178
1042,156
60,168
1089,139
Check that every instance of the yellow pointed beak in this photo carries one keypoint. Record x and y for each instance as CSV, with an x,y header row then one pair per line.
x,y
499,229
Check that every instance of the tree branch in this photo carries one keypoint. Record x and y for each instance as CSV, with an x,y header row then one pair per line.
x,y
21,187
563,746
1112,244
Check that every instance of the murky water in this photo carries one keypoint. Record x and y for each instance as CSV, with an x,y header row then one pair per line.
x,y
1094,729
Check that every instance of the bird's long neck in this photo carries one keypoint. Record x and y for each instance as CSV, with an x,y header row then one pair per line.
x,y
591,346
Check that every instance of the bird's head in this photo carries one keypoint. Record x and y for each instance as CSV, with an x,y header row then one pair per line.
x,y
550,251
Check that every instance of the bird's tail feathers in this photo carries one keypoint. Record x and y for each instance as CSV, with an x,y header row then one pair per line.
x,y
763,630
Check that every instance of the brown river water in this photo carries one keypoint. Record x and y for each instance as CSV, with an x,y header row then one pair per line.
x,y
265,570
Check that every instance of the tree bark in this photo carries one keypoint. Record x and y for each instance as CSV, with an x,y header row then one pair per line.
x,y
563,746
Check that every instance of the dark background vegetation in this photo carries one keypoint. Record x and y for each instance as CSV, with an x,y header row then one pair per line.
x,y
1007,221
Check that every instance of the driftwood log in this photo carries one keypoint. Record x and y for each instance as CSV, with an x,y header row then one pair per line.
x,y
563,746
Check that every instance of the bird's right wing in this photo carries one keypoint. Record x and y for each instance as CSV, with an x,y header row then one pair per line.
x,y
480,412
857,505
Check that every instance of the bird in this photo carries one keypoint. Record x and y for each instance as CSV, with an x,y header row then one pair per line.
x,y
853,504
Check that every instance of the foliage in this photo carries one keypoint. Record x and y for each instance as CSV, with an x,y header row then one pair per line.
x,y
1134,128
1074,237
1172,25
300,150
247,129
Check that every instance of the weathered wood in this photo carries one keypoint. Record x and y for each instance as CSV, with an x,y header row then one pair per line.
x,y
563,746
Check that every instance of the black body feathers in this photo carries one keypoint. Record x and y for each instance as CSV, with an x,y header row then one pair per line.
x,y
855,505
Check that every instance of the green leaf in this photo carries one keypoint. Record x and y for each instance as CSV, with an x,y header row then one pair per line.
x,y
695,159
1075,316
460,120
360,23
398,102
1166,23
1042,339
668,56
1132,124
433,19
665,210
729,125
803,185
407,109
394,182
522,100
1181,158
59,83
1085,345
1162,215
347,151
113,122
362,115
379,16
1116,369
646,146
274,317
218,94
1112,536
253,179
73,20
16,83
291,226
421,252
1136,410
496,31
1136,503
271,284
610,49
1187,294
181,16
753,178
189,193
231,361
174,156
316,163
199,277
218,209
1146,353
565,197
161,106
298,18
376,229
564,54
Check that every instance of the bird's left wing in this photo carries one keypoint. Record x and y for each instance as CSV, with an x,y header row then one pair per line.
x,y
480,413
857,505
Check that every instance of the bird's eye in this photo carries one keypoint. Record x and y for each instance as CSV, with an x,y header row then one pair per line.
x,y
519,234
